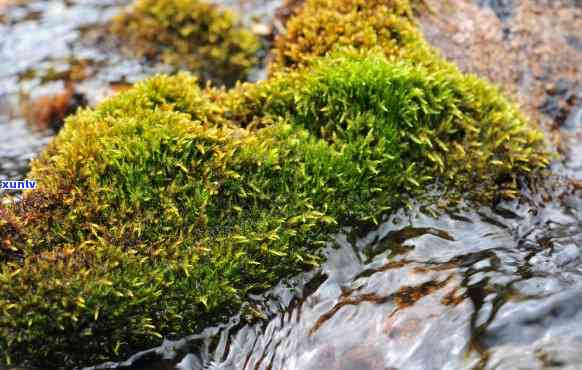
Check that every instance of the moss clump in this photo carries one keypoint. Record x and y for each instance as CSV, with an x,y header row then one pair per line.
x,y
452,128
158,212
153,222
160,215
322,26
189,34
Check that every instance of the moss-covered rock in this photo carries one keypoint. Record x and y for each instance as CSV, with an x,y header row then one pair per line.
x,y
160,210
189,34
151,222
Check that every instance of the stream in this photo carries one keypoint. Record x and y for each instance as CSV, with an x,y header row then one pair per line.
x,y
497,287
491,288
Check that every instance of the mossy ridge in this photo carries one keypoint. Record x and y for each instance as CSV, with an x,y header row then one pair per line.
x,y
150,178
203,38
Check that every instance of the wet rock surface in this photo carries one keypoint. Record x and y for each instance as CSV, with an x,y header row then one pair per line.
x,y
530,48
527,47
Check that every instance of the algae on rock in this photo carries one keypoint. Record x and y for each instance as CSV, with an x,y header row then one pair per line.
x,y
203,38
159,211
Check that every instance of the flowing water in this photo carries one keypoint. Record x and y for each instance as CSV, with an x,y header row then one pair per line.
x,y
490,288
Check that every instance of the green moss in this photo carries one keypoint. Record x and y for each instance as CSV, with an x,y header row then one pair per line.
x,y
456,128
189,34
159,211
157,220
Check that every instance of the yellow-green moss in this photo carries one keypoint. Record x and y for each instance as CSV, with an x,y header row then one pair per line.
x,y
158,212
322,26
189,34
